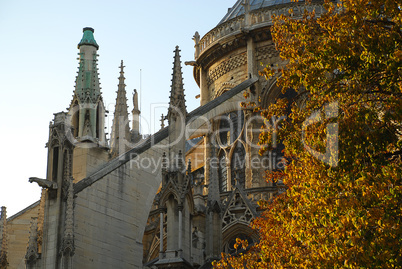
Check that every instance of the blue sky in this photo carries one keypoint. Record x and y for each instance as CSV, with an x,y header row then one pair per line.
x,y
38,64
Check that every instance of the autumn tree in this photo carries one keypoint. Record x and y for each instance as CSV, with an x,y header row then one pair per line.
x,y
343,142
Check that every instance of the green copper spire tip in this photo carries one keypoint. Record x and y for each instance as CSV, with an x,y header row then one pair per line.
x,y
88,38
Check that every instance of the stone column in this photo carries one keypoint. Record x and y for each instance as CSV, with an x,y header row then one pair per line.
x,y
210,235
204,86
208,155
252,70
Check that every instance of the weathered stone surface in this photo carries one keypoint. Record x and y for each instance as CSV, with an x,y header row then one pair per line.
x,y
111,214
18,235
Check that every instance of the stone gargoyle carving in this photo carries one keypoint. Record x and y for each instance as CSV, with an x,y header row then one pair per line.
x,y
44,183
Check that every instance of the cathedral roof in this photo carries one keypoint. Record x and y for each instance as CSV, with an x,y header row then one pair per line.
x,y
238,8
88,38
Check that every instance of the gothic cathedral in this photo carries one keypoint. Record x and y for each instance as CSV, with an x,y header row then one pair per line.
x,y
101,207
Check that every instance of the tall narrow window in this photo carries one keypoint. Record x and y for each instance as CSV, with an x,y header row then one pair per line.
x,y
222,172
224,130
75,119
237,120
238,165
55,164
98,121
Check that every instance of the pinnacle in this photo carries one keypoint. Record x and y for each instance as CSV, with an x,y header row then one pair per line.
x,y
121,77
120,119
177,91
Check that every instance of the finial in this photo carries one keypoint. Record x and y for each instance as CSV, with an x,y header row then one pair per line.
x,y
162,122
180,160
121,67
164,162
4,238
3,212
189,167
196,37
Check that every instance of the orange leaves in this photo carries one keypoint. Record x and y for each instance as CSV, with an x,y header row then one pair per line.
x,y
267,72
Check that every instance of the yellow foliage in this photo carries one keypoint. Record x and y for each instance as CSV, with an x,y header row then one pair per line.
x,y
347,215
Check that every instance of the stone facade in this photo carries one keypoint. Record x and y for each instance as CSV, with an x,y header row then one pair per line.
x,y
176,199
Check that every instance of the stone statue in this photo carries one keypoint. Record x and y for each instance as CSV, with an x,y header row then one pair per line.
x,y
135,99
196,39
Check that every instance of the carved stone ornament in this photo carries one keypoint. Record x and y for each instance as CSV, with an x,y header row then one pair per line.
x,y
238,210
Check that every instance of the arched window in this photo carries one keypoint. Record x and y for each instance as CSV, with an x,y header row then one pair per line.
x,y
55,163
229,138
222,172
238,165
224,130
75,118
237,120
230,127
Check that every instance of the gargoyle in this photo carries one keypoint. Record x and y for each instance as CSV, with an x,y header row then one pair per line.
x,y
44,183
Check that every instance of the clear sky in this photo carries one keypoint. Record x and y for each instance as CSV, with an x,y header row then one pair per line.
x,y
38,65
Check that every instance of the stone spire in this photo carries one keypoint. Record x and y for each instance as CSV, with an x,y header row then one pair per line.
x,y
175,180
87,109
4,238
177,113
177,102
120,128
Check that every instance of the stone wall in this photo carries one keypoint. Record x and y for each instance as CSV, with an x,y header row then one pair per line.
x,y
226,73
86,160
18,235
111,214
